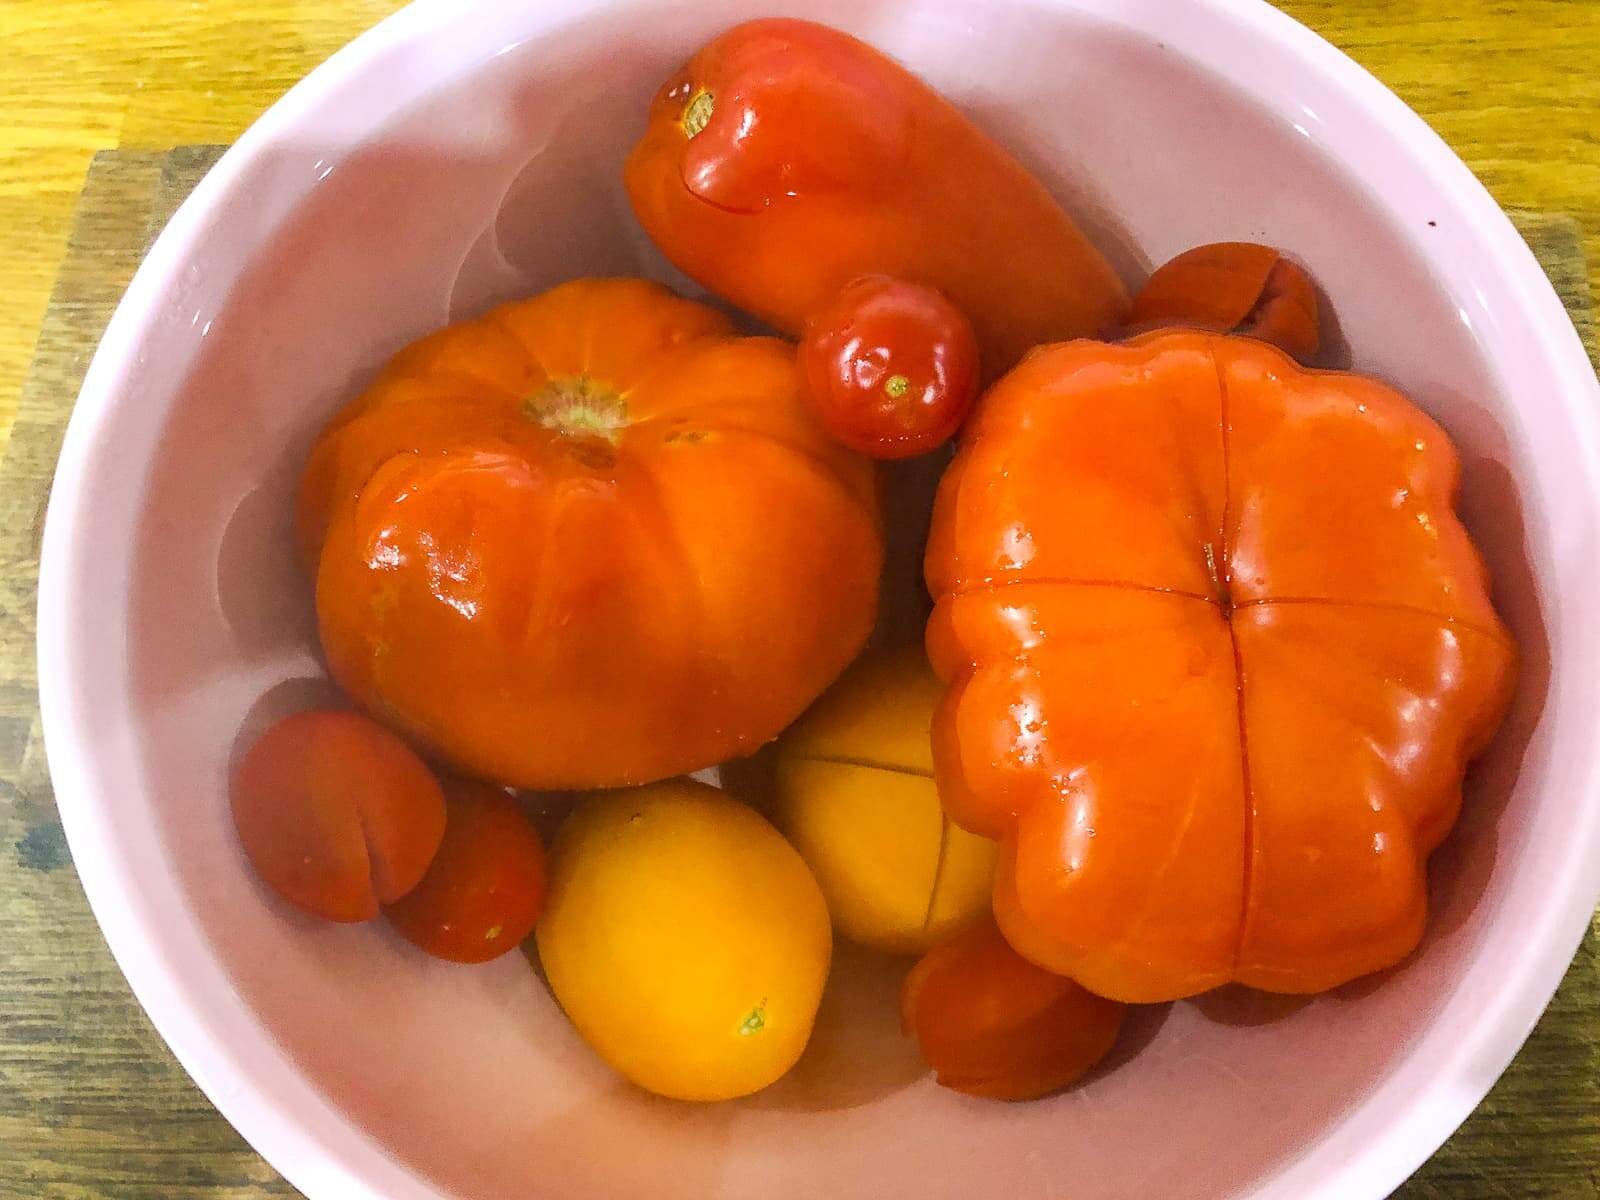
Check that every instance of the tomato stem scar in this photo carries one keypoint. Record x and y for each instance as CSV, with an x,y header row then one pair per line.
x,y
755,1021
697,113
897,386
577,406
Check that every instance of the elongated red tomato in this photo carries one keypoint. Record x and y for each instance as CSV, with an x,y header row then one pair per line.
x,y
891,367
486,887
786,159
337,814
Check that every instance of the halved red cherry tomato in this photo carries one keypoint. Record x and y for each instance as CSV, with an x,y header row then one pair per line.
x,y
1233,287
486,886
992,1024
891,367
337,814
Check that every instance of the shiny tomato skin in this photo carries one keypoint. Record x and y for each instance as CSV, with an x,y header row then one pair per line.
x,y
785,159
891,367
589,539
1233,287
336,813
1253,794
486,887
992,1024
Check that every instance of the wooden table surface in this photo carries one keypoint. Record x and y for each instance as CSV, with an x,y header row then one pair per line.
x,y
1513,85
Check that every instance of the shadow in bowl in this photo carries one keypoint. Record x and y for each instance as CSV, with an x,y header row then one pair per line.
x,y
857,1053
1239,1005
279,701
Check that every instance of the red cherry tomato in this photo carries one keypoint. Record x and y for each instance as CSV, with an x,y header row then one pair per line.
x,y
337,814
486,886
891,367
1233,287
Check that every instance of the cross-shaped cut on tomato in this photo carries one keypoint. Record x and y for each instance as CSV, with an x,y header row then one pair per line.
x,y
1218,651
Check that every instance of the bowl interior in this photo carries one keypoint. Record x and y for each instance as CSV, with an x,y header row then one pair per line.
x,y
338,245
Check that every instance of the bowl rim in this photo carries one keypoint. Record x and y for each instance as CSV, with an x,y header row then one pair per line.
x,y
320,1150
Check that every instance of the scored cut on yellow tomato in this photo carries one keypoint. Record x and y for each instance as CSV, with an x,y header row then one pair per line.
x,y
855,794
686,940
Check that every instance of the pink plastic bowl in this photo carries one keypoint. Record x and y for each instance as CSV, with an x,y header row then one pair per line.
x,y
465,152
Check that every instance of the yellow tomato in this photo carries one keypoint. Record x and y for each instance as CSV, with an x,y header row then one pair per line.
x,y
686,940
855,794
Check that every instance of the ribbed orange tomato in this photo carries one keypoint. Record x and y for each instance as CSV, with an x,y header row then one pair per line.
x,y
590,539
1218,650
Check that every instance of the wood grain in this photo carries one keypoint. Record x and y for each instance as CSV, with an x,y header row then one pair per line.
x,y
1511,84
91,1103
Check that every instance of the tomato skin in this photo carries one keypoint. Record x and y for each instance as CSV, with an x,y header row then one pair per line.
x,y
1254,793
786,159
992,1024
853,792
891,367
486,886
336,813
589,539
1233,287
687,941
